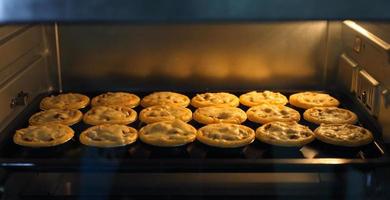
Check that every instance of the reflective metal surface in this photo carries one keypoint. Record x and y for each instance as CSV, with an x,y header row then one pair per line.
x,y
189,10
193,56
370,48
24,67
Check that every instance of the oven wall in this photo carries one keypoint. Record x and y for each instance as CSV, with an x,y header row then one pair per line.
x,y
365,68
27,66
283,55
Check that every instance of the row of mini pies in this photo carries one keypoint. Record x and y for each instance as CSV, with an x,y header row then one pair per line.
x,y
77,101
271,107
177,133
206,115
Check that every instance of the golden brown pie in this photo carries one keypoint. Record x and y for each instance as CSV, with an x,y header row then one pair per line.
x,y
165,113
116,99
61,116
160,98
65,101
45,135
265,113
343,135
226,135
215,99
110,115
219,114
167,133
108,135
255,98
329,115
288,134
308,100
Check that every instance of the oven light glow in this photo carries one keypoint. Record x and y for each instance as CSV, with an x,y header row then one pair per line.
x,y
333,161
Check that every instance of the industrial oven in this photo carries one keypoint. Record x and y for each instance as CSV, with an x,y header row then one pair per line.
x,y
191,47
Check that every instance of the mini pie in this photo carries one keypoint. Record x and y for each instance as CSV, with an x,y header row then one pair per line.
x,y
255,98
110,115
65,101
165,113
159,98
168,133
219,114
108,135
46,135
308,100
265,113
288,134
215,99
226,135
343,135
61,116
329,115
116,99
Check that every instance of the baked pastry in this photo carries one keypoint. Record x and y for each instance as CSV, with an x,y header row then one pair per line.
x,y
308,100
45,135
110,115
108,135
226,135
167,133
255,98
116,99
219,114
64,101
288,134
165,113
160,98
343,135
215,99
61,116
265,113
329,115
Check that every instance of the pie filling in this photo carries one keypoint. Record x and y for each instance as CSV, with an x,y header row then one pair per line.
x,y
114,133
42,134
278,131
228,134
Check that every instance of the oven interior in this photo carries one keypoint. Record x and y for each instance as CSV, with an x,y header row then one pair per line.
x,y
349,59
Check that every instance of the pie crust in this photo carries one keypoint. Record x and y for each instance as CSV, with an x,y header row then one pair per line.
x,y
46,135
265,113
167,133
225,135
108,135
160,98
110,115
116,99
308,100
219,114
62,116
215,99
287,134
255,98
65,101
329,115
343,135
165,113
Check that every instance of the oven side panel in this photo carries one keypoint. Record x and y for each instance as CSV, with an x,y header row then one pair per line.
x,y
25,57
187,57
364,68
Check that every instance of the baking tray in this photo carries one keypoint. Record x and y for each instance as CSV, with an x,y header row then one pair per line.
x,y
73,156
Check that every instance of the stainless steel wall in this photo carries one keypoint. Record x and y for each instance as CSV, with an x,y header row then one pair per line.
x,y
25,65
366,46
193,56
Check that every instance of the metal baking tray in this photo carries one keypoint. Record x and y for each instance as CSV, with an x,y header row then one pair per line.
x,y
73,156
